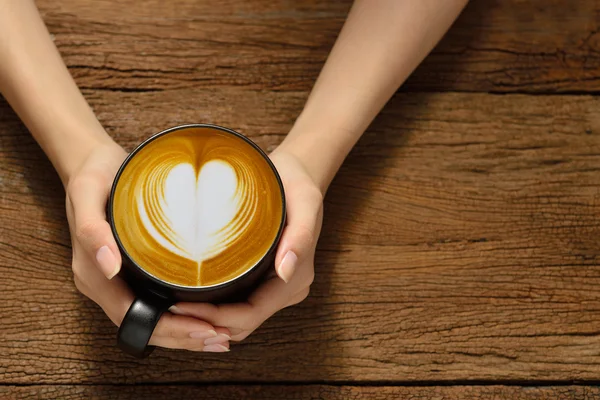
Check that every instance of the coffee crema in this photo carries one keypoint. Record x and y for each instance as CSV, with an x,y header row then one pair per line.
x,y
197,207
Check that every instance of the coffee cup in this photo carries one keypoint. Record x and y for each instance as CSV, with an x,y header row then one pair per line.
x,y
197,212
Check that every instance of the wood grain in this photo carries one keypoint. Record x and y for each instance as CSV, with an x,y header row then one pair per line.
x,y
460,243
495,46
307,392
461,236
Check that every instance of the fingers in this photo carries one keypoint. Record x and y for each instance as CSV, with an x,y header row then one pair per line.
x,y
299,297
304,216
176,327
114,296
243,318
240,318
96,257
172,331
88,196
182,332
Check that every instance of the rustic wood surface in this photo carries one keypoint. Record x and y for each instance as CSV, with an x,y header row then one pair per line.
x,y
461,237
304,392
496,45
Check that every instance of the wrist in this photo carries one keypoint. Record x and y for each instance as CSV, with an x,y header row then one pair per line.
x,y
36,83
319,148
74,147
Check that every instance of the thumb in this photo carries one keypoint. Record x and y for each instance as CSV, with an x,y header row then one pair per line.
x,y
304,214
88,197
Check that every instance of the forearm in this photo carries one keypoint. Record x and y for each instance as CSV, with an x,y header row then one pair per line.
x,y
35,81
381,43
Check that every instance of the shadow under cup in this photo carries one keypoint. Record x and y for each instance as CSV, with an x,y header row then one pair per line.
x,y
141,246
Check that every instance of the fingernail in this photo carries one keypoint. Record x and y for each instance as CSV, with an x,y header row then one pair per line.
x,y
215,348
287,266
107,262
177,310
219,339
203,334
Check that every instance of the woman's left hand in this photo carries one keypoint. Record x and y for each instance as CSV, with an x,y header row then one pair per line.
x,y
294,262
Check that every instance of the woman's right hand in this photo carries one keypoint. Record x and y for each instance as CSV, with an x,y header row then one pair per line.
x,y
96,257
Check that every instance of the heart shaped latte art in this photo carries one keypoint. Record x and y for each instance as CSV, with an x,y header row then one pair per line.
x,y
201,207
193,215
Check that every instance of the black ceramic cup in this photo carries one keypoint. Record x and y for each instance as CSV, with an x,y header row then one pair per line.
x,y
154,296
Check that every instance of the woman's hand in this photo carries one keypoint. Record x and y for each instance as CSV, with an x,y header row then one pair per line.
x,y
96,257
294,262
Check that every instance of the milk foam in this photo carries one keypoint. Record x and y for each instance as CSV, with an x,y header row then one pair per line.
x,y
197,207
195,212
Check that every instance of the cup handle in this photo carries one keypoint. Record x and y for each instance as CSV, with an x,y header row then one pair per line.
x,y
138,325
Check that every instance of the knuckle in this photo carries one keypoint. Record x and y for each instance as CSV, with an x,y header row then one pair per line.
x,y
304,294
310,278
87,229
305,235
76,272
240,336
165,328
254,322
315,194
172,333
300,297
169,328
79,285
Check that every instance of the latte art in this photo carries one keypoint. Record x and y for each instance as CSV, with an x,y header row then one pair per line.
x,y
194,215
197,207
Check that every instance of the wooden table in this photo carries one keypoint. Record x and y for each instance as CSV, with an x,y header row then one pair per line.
x,y
461,246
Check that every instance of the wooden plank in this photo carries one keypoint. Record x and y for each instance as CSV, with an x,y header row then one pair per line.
x,y
460,242
278,392
497,45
